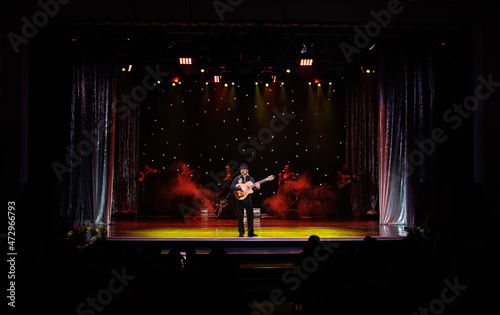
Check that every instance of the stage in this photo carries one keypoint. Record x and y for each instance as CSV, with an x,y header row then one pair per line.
x,y
206,228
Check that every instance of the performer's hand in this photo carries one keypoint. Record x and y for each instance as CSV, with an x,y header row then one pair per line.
x,y
257,185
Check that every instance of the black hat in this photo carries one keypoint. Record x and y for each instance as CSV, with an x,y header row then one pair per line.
x,y
243,166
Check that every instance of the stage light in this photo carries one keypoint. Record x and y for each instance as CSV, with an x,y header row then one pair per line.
x,y
124,69
174,84
256,83
288,70
368,71
129,68
158,81
306,62
202,70
226,85
267,78
318,84
329,83
310,83
185,61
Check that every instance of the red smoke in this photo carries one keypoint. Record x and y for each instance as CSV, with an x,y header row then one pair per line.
x,y
186,189
301,198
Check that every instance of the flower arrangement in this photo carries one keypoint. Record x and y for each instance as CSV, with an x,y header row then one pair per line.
x,y
83,236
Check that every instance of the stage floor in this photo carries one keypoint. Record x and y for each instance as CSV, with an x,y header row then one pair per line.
x,y
211,228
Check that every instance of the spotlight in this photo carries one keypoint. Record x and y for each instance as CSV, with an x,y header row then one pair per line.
x,y
185,61
202,70
306,62
288,70
129,68
318,84
266,78
174,84
310,83
226,78
226,81
124,69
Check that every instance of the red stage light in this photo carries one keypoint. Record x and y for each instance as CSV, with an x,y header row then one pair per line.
x,y
306,62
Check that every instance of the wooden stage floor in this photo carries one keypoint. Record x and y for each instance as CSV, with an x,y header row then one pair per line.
x,y
267,229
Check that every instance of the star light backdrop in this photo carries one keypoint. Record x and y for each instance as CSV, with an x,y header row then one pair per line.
x,y
208,125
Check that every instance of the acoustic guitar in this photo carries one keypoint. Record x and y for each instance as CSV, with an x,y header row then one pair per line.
x,y
347,179
246,188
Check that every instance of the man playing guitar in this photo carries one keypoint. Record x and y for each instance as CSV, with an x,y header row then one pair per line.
x,y
246,203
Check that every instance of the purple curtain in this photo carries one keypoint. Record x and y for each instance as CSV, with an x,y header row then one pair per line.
x,y
87,191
